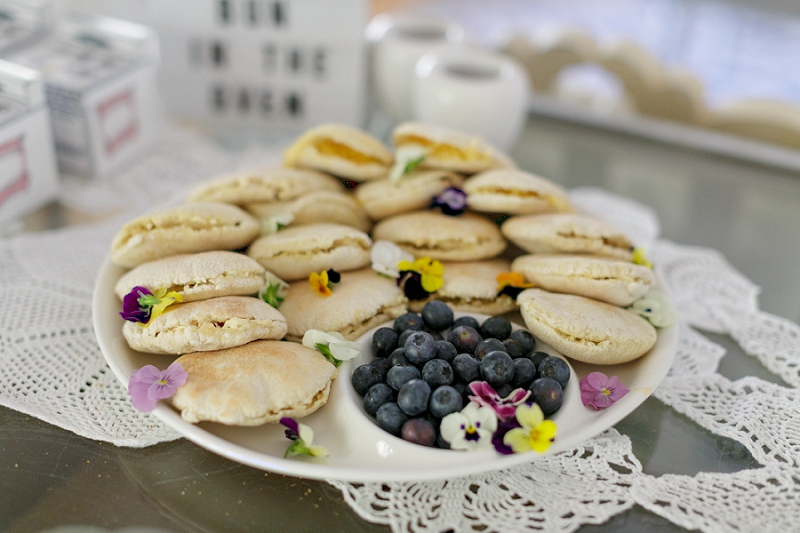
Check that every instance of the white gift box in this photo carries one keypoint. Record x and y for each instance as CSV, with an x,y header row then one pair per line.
x,y
279,65
28,176
23,22
101,82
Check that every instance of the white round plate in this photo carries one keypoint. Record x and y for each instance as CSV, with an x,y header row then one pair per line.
x,y
359,450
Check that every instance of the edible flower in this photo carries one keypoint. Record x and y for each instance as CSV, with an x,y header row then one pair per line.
x,y
452,201
275,223
274,290
483,394
511,284
148,384
302,437
332,345
406,161
430,271
143,306
656,308
321,281
497,438
385,256
638,257
535,433
470,429
601,391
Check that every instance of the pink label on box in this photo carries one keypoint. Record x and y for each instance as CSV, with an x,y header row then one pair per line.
x,y
119,122
13,169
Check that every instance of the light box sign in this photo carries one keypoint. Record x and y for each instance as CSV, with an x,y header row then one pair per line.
x,y
283,64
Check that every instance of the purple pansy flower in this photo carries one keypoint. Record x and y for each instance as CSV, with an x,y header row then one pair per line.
x,y
601,391
483,394
302,438
452,201
131,309
502,428
410,282
149,384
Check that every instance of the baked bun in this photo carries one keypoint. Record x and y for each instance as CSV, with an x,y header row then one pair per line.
x,y
514,192
467,237
608,280
316,208
277,184
295,252
196,276
448,148
186,228
360,301
253,384
471,287
207,325
567,233
340,150
384,198
585,329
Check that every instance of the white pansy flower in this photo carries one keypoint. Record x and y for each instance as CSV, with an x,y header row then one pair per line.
x,y
656,308
406,159
332,345
385,256
274,290
275,223
471,429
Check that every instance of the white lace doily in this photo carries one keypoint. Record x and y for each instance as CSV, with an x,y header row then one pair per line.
x,y
53,370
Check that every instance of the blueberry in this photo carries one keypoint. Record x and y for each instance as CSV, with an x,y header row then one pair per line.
x,y
525,338
437,372
505,390
413,397
403,337
537,358
391,418
435,334
464,338
497,326
364,377
514,349
548,394
399,375
377,395
468,369
420,348
382,364
437,315
497,368
398,357
445,351
486,346
384,341
467,321
419,431
408,321
524,373
445,400
463,390
555,368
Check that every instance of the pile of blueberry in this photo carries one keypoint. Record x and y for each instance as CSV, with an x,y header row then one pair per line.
x,y
423,366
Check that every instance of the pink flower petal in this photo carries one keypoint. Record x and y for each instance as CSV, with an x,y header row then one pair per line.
x,y
175,375
595,380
